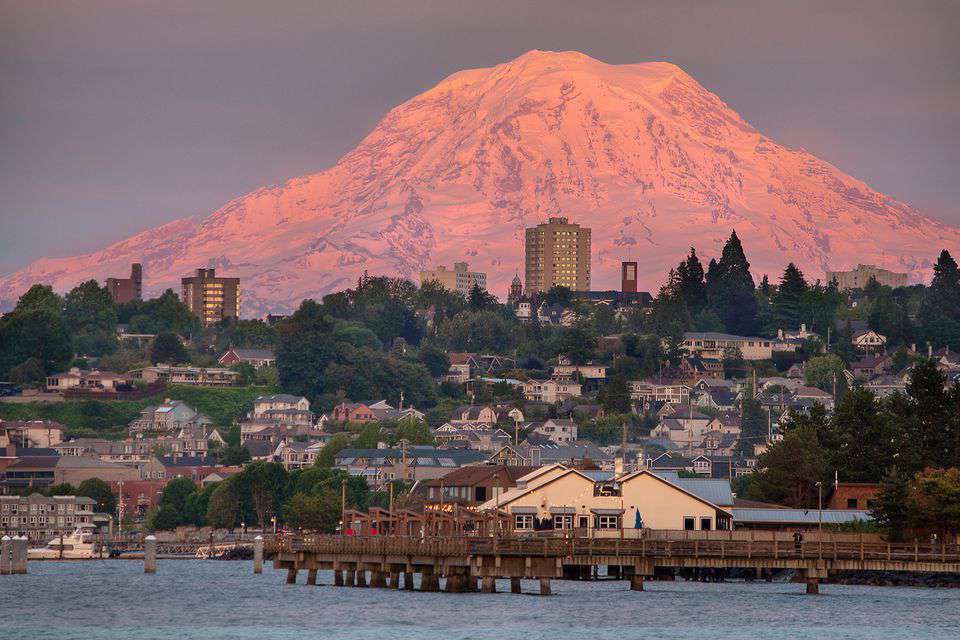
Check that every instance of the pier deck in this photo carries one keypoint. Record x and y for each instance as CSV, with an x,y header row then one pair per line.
x,y
464,560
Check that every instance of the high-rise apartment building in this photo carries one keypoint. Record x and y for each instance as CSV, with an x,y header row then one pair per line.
x,y
859,278
460,279
557,254
210,298
127,289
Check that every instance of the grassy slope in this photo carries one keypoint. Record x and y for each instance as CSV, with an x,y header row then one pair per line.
x,y
95,418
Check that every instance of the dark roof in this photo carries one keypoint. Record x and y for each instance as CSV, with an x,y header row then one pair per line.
x,y
475,474
188,461
259,448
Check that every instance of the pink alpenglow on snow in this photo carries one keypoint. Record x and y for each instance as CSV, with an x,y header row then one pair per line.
x,y
641,153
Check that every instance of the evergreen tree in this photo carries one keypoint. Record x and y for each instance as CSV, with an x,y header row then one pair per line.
x,y
615,395
787,302
690,282
753,427
733,294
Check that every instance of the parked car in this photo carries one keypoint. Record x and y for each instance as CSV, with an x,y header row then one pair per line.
x,y
9,389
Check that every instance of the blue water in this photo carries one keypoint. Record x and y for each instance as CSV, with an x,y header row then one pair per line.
x,y
224,600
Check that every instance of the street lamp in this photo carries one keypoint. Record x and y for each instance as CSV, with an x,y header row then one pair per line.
x,y
819,519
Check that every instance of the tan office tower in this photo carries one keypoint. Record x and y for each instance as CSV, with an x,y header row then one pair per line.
x,y
210,298
557,253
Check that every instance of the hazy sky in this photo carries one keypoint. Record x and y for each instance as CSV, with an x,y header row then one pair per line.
x,y
119,115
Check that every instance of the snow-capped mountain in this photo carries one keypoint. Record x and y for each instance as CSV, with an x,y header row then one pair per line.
x,y
642,154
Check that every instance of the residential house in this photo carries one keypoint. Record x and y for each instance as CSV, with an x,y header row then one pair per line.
x,y
551,391
297,455
697,367
171,416
97,381
33,433
646,391
380,466
571,455
719,399
257,358
385,412
264,406
871,365
814,394
587,371
352,412
75,469
193,376
715,345
555,430
869,341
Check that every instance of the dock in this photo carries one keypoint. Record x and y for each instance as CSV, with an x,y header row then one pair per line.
x,y
475,563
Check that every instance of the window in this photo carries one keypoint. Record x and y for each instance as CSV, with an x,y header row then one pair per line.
x,y
523,521
606,522
689,524
583,522
705,524
851,503
563,522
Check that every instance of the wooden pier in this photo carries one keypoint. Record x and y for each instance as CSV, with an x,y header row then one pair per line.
x,y
474,563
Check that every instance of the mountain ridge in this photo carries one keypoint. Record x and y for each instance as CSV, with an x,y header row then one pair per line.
x,y
641,153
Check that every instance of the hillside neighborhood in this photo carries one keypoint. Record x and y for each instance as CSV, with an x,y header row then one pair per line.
x,y
713,405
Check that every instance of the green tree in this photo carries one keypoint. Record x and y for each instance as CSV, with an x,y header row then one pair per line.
x,y
731,289
37,332
91,316
821,371
174,499
266,483
168,348
615,395
235,454
335,445
789,470
370,435
862,439
434,359
312,512
935,501
788,301
753,424
691,286
560,295
28,372
225,506
101,492
892,508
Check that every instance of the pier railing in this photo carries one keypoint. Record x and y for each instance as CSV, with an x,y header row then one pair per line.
x,y
825,548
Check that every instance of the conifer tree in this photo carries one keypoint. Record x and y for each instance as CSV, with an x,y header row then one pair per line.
x,y
789,298
733,293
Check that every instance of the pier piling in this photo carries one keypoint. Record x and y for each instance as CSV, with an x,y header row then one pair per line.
x,y
312,577
338,578
258,554
150,554
6,556
292,575
394,579
350,578
545,586
489,584
515,585
408,581
361,580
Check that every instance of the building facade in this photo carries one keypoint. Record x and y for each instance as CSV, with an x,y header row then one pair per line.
x,y
461,279
210,298
859,277
42,519
127,289
557,254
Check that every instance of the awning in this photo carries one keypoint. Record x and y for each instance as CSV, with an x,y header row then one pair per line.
x,y
563,511
607,512
524,510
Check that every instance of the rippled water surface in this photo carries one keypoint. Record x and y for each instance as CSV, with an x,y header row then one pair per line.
x,y
224,600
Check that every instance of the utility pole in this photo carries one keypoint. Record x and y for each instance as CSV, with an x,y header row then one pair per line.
x,y
343,507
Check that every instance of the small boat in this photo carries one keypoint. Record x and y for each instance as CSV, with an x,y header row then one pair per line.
x,y
78,545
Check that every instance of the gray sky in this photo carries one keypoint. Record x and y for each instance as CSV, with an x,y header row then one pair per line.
x,y
117,115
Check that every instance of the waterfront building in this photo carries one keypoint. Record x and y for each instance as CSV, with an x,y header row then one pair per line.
x,y
127,289
209,297
42,519
557,254
859,277
461,279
